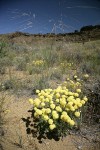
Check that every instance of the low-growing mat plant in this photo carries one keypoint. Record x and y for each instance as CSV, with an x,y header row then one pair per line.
x,y
56,111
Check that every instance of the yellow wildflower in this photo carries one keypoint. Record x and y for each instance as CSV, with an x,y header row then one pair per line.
x,y
52,106
55,116
78,90
48,110
42,104
83,102
50,121
71,122
58,108
77,114
31,101
45,117
85,98
52,126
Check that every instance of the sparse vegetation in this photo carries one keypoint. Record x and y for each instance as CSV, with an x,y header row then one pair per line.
x,y
29,63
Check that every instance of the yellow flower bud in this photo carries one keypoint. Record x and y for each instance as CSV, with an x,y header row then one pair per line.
x,y
85,98
37,91
42,104
79,104
64,113
78,90
70,103
47,99
62,102
50,121
36,115
37,102
57,100
83,102
52,106
45,117
71,122
41,97
52,126
77,114
43,110
55,116
39,112
76,94
72,108
75,106
66,93
57,95
48,110
31,101
70,93
75,77
59,109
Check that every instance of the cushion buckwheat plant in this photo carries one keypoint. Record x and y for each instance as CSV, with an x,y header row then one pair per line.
x,y
57,110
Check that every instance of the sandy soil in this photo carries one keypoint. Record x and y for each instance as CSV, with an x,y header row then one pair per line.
x,y
16,138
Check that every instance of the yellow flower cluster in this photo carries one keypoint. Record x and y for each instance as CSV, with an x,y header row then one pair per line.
x,y
62,104
65,64
85,76
70,84
38,62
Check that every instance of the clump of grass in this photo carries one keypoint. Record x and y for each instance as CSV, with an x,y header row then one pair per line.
x,y
20,63
2,67
41,81
56,73
50,57
36,66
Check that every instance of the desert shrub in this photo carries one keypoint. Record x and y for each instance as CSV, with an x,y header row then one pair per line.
x,y
87,68
8,84
41,81
20,63
3,51
36,66
55,111
4,63
49,56
93,93
56,73
91,66
65,66
2,69
78,57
